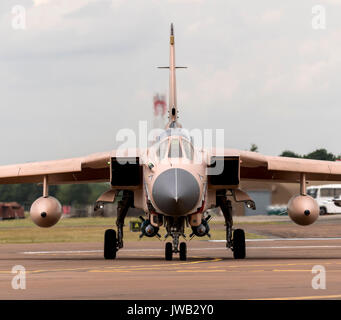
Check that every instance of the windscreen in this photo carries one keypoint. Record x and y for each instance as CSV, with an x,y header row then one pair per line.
x,y
162,149
175,149
188,149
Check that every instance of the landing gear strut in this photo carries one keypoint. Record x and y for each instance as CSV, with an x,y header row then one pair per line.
x,y
235,239
113,242
175,229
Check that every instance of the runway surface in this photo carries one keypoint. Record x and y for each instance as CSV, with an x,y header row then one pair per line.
x,y
276,269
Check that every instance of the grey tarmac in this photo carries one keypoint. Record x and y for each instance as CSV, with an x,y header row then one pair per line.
x,y
272,270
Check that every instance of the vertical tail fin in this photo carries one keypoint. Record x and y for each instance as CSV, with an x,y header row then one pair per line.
x,y
173,108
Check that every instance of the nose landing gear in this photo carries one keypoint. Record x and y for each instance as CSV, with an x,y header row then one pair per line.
x,y
182,250
175,229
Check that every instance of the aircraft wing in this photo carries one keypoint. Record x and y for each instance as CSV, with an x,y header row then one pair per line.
x,y
91,168
255,166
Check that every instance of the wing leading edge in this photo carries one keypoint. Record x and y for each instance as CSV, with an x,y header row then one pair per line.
x,y
255,166
92,168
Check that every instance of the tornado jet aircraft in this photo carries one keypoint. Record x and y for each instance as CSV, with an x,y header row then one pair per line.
x,y
174,183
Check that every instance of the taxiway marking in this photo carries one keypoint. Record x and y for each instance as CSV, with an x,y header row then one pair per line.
x,y
333,296
294,247
190,249
282,239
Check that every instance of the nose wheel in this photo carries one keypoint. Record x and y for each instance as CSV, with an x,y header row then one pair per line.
x,y
182,250
168,251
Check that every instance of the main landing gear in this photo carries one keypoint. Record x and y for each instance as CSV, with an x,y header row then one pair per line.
x,y
175,228
112,241
110,244
235,239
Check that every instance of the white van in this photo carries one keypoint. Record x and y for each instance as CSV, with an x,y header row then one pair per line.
x,y
324,196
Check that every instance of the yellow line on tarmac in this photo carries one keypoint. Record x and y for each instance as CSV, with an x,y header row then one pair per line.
x,y
291,270
219,270
48,270
273,265
165,264
121,268
108,271
303,298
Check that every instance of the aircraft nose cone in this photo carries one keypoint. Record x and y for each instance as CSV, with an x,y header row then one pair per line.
x,y
175,191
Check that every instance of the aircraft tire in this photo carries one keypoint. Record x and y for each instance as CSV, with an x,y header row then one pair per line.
x,y
239,251
110,242
169,251
183,251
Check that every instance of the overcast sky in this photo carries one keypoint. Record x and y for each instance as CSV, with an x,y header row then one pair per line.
x,y
84,69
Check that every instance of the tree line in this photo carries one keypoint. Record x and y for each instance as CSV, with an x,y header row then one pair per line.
x,y
69,194
318,154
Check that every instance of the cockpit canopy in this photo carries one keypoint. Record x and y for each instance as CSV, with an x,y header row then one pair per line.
x,y
174,143
175,132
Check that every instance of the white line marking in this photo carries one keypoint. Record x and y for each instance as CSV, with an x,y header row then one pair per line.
x,y
294,247
283,239
161,250
61,251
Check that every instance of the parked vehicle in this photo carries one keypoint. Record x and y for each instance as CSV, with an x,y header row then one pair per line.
x,y
11,210
324,196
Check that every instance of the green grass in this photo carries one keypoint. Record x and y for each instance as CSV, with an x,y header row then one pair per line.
x,y
82,230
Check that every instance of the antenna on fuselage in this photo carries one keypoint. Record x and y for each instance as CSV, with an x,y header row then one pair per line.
x,y
172,107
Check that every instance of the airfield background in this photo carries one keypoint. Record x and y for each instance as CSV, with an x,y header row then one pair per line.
x,y
79,200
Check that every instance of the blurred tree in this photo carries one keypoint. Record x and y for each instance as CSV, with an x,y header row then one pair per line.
x,y
96,190
320,154
70,194
290,154
80,193
67,194
23,193
254,148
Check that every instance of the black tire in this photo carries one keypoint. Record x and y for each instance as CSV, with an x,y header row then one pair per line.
x,y
239,251
169,251
323,211
110,244
183,251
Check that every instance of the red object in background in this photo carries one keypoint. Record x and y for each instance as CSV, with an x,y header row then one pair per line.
x,y
160,106
11,210
66,209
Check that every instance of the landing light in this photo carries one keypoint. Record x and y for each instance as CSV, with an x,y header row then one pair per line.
x,y
250,204
150,165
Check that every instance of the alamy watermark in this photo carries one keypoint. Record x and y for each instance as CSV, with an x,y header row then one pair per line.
x,y
19,280
18,17
153,145
318,21
319,280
